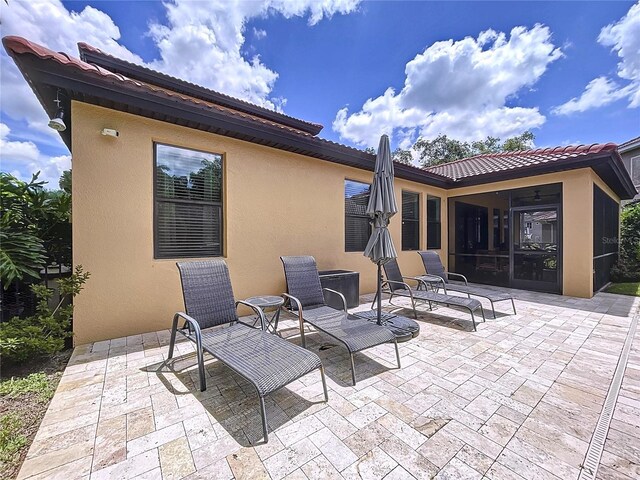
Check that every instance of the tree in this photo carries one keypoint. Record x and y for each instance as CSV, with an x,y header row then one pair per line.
x,y
35,228
65,181
22,252
402,156
489,145
443,149
520,142
398,155
628,267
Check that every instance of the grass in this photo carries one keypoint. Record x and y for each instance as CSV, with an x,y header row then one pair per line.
x,y
38,383
11,437
25,393
632,289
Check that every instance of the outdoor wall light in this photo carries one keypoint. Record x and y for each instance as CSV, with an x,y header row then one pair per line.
x,y
57,122
110,132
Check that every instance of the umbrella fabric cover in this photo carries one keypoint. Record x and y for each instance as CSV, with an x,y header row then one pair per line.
x,y
381,207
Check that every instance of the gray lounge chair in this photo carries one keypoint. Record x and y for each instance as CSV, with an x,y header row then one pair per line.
x,y
433,266
395,285
306,299
267,361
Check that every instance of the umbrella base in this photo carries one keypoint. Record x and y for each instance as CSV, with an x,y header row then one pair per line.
x,y
402,327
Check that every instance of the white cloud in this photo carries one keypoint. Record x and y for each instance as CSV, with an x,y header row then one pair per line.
x,y
623,37
201,42
49,23
23,159
259,33
460,88
599,92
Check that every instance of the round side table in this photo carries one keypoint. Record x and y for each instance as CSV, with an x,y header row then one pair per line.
x,y
268,302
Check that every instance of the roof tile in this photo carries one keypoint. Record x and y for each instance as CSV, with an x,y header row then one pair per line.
x,y
497,162
207,94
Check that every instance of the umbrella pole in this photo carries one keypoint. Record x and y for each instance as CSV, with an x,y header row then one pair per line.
x,y
379,294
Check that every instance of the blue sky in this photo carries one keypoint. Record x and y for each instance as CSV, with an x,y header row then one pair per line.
x,y
569,71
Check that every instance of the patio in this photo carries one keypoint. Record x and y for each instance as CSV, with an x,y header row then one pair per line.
x,y
519,398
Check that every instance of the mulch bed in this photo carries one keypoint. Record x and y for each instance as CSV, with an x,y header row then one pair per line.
x,y
30,407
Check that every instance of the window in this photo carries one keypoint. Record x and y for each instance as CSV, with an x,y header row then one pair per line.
x,y
635,171
410,221
357,228
188,203
433,223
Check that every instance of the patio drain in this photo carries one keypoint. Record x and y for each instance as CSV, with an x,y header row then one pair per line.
x,y
596,447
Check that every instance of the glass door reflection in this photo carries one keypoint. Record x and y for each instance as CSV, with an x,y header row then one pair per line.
x,y
536,245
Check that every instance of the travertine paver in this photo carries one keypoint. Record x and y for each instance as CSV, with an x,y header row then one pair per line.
x,y
518,399
621,457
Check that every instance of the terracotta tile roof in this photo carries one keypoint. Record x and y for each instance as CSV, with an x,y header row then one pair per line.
x,y
20,45
93,55
508,161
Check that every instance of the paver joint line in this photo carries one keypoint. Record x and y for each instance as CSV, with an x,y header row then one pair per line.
x,y
590,466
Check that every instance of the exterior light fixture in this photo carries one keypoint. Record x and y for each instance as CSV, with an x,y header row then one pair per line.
x,y
109,132
57,122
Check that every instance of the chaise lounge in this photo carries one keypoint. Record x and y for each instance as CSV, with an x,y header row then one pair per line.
x,y
306,299
395,285
433,266
267,361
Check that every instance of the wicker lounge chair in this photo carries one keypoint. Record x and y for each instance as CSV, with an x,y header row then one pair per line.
x,y
267,361
306,300
433,266
395,285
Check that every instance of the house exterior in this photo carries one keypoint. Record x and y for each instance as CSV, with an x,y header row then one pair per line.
x,y
630,153
196,174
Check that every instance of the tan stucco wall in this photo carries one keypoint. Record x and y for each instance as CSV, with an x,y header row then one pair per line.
x,y
276,203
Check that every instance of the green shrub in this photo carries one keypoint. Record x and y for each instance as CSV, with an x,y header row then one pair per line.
x,y
45,332
628,267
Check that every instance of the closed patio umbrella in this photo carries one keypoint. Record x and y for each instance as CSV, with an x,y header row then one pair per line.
x,y
381,207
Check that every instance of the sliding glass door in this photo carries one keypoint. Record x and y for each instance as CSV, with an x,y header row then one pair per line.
x,y
535,254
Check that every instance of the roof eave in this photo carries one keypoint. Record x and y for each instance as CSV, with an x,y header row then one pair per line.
x,y
606,164
45,95
629,146
147,75
48,75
